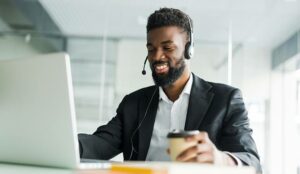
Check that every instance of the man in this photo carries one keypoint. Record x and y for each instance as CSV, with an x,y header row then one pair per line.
x,y
179,100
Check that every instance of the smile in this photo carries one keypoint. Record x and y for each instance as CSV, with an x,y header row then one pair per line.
x,y
161,68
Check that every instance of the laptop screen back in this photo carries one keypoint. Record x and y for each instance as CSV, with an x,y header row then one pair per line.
x,y
37,115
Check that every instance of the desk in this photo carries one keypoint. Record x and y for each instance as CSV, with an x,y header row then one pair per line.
x,y
23,169
154,168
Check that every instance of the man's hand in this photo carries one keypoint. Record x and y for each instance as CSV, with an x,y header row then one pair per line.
x,y
205,152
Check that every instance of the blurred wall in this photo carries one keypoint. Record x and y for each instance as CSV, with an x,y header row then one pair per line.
x,y
15,47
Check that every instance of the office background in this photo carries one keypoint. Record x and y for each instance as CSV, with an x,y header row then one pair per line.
x,y
252,44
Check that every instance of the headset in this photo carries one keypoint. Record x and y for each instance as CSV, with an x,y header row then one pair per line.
x,y
188,49
188,54
189,46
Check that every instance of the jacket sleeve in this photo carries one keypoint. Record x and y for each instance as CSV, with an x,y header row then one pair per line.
x,y
236,133
106,141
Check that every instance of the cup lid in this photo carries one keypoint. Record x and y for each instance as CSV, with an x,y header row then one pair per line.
x,y
182,133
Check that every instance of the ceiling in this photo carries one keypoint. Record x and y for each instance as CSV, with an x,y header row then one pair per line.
x,y
258,22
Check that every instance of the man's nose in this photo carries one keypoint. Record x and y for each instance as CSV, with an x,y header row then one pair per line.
x,y
158,55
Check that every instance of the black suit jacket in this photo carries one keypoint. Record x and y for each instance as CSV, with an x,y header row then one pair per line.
x,y
215,108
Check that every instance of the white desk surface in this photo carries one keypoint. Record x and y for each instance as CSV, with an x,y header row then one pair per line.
x,y
23,169
171,168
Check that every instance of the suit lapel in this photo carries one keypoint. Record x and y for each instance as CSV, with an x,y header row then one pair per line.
x,y
200,99
146,129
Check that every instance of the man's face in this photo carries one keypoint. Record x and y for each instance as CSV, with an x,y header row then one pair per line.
x,y
165,47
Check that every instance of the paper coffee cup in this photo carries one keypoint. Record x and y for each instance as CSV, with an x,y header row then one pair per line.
x,y
177,143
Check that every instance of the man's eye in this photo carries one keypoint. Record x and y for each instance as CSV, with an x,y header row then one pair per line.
x,y
168,48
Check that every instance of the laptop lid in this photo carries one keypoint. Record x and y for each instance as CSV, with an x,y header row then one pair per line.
x,y
37,114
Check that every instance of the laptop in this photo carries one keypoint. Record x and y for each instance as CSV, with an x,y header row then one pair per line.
x,y
37,113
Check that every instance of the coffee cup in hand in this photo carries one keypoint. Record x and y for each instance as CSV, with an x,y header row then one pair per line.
x,y
177,142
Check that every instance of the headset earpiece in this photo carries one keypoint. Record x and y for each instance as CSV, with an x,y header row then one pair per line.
x,y
188,52
189,46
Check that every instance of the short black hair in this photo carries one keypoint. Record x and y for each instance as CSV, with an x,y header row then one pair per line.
x,y
169,17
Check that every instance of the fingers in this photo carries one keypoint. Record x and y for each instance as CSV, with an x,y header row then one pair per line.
x,y
201,158
201,137
188,154
192,152
205,158
198,159
203,152
203,148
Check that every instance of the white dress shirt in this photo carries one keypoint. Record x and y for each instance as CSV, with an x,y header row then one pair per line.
x,y
170,115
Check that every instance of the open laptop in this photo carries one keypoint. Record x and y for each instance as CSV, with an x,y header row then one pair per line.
x,y
37,114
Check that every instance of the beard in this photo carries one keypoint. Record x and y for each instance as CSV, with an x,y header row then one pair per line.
x,y
173,74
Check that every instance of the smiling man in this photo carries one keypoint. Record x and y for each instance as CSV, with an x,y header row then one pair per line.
x,y
178,100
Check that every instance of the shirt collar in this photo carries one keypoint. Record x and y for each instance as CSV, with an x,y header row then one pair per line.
x,y
188,87
186,90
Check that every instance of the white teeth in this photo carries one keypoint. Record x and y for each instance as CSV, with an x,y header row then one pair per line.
x,y
161,66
